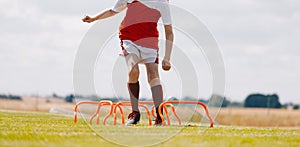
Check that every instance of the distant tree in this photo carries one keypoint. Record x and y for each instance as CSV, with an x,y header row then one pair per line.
x,y
143,99
217,101
69,98
189,99
55,95
14,97
296,107
79,96
235,104
172,99
203,101
11,97
114,99
262,101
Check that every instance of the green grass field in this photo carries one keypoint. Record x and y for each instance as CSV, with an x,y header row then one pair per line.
x,y
44,129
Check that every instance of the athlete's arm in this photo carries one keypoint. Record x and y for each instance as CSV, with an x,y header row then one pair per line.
x,y
169,45
118,7
103,15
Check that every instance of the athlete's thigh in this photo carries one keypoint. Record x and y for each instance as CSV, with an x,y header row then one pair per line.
x,y
149,55
132,61
152,70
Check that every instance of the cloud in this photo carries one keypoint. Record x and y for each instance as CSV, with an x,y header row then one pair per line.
x,y
259,41
37,48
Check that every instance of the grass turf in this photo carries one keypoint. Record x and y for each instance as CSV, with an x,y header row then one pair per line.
x,y
44,129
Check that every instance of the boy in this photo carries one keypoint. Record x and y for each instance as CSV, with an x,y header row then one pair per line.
x,y
139,42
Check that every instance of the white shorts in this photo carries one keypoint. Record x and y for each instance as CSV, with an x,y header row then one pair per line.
x,y
145,55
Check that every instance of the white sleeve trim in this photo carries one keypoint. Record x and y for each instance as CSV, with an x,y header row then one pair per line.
x,y
120,6
165,13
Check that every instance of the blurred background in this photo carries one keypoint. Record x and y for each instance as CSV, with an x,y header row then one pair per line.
x,y
259,41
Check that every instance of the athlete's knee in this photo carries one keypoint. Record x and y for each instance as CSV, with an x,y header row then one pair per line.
x,y
154,82
134,72
152,75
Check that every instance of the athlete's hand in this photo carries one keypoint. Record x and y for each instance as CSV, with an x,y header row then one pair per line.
x,y
88,19
166,65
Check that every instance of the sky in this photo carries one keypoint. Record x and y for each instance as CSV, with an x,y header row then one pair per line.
x,y
259,41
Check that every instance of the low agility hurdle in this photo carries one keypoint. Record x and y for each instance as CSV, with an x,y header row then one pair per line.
x,y
98,111
141,104
128,103
100,104
113,110
118,105
169,103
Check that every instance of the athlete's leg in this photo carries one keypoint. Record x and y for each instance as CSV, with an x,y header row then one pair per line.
x,y
154,82
132,56
133,83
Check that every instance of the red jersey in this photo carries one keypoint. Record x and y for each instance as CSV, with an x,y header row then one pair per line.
x,y
140,25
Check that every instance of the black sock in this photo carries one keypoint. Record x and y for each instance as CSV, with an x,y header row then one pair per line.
x,y
134,90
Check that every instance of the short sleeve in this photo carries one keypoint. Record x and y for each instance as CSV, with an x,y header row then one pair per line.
x,y
165,13
120,5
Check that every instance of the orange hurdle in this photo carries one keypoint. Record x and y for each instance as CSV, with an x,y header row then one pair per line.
x,y
115,106
167,113
164,104
101,103
165,109
127,103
